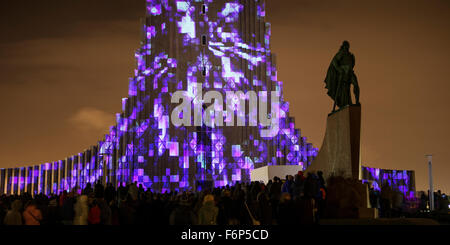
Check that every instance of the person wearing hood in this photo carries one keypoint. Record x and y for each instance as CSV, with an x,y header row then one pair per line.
x,y
183,214
287,186
207,214
81,211
13,217
133,191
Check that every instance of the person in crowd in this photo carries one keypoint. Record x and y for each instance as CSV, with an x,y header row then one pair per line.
x,y
264,207
304,201
183,213
67,209
32,215
225,208
287,186
275,195
81,211
99,189
3,208
14,216
312,187
386,201
269,185
141,192
208,213
105,212
123,193
397,203
87,190
127,212
110,193
62,198
423,201
285,210
444,204
437,200
297,187
321,179
94,216
133,191
52,211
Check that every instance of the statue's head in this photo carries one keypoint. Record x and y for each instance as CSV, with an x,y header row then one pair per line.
x,y
345,45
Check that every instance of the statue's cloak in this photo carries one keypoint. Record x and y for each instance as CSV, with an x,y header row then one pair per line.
x,y
339,91
331,80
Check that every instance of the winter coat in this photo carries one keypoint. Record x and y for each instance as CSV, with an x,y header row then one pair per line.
x,y
62,198
183,215
285,212
207,214
264,209
105,213
287,187
67,209
298,187
99,190
32,215
94,215
13,217
133,192
81,211
109,193
275,190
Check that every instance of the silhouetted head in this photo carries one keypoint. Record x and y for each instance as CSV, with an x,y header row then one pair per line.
x,y
285,197
345,45
208,198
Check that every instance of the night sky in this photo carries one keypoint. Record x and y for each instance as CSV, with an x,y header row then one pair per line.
x,y
65,65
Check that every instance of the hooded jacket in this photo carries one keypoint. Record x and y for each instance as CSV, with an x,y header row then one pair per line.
x,y
207,214
13,217
81,211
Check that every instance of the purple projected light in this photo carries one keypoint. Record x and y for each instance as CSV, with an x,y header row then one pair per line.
x,y
225,49
399,180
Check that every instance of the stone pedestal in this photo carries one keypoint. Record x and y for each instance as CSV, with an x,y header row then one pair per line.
x,y
339,154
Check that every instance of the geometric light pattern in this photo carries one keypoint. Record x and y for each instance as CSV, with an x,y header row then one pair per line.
x,y
225,46
399,180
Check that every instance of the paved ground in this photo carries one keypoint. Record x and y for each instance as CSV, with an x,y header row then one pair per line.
x,y
382,221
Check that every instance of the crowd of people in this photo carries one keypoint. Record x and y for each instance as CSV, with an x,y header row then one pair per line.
x,y
294,200
393,203
441,201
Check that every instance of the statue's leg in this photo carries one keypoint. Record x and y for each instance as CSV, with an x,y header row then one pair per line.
x,y
349,94
355,89
345,95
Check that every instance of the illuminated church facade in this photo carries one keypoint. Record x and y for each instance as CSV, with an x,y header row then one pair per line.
x,y
190,45
225,47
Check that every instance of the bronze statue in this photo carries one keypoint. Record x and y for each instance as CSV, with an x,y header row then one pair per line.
x,y
340,76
